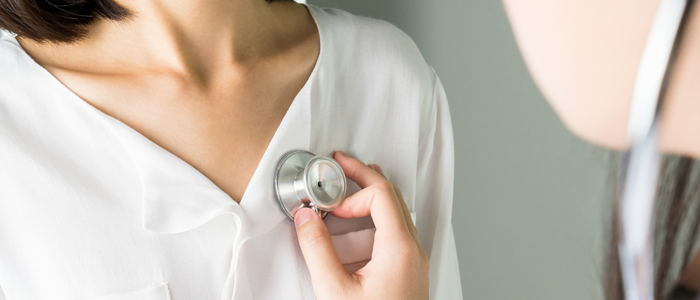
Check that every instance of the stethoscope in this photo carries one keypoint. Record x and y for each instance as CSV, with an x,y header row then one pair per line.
x,y
642,163
303,179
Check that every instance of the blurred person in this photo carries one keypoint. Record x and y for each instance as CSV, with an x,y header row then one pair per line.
x,y
584,57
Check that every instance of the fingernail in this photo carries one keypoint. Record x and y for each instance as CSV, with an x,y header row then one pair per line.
x,y
303,215
342,153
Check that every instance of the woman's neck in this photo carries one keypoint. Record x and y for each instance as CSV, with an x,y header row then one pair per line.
x,y
194,39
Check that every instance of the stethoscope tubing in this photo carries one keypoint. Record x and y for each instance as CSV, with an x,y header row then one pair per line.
x,y
642,163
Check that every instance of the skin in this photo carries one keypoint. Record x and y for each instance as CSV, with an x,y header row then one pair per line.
x,y
583,55
399,265
211,92
210,81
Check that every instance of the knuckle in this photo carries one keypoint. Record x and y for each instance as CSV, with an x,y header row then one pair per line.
x,y
385,186
353,173
425,260
403,232
424,256
398,192
426,266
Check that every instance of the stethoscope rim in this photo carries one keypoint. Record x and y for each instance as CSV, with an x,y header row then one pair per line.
x,y
293,192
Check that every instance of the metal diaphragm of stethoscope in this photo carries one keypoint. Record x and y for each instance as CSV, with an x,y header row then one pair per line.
x,y
642,162
303,179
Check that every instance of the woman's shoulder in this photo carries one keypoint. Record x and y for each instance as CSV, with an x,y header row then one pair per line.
x,y
373,87
372,77
365,44
16,67
23,95
13,75
9,54
9,47
356,28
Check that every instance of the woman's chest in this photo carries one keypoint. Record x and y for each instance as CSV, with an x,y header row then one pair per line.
x,y
99,210
223,140
97,248
88,219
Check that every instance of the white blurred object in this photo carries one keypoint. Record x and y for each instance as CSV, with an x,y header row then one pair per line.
x,y
652,67
642,165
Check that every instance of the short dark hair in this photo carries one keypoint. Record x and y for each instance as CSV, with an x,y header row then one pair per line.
x,y
61,21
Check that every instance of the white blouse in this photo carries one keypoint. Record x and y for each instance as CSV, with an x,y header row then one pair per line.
x,y
92,209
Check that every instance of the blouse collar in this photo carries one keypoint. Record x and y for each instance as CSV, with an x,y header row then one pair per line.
x,y
177,197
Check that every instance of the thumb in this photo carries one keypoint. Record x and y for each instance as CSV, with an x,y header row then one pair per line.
x,y
317,247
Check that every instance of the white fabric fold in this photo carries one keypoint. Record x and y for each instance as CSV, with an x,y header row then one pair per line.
x,y
354,246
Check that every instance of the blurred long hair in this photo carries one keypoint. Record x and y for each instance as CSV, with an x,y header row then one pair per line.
x,y
677,225
677,213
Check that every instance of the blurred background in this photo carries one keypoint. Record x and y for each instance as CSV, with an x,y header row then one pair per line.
x,y
529,197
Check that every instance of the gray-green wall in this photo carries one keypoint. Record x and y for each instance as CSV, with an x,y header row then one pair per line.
x,y
529,196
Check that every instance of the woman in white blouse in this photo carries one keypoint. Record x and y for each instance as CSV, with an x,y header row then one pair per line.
x,y
138,141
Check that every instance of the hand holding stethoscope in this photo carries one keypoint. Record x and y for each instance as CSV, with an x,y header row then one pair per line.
x,y
399,266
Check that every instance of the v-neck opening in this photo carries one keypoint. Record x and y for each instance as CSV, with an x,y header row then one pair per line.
x,y
285,119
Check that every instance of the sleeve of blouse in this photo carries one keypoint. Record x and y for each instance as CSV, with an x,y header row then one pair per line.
x,y
434,193
2,295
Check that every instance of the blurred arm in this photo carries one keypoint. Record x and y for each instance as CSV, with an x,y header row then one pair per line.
x,y
434,194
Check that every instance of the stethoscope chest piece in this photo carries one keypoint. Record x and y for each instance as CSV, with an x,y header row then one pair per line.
x,y
303,179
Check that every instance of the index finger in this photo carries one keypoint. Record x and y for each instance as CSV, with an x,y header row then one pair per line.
x,y
357,171
377,198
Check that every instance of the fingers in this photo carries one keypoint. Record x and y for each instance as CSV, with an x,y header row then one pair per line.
x,y
377,168
317,247
366,176
377,198
357,171
407,215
